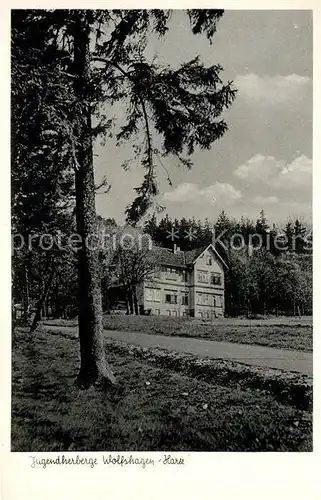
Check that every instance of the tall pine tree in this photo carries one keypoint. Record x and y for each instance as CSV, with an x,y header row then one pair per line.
x,y
102,62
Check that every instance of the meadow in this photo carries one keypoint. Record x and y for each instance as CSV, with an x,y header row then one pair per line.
x,y
158,405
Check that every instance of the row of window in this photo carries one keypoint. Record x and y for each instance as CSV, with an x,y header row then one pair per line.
x,y
204,314
175,313
202,299
208,299
212,278
202,276
172,298
173,274
154,295
172,312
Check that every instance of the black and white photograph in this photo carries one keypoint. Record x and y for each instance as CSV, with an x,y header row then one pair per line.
x,y
162,232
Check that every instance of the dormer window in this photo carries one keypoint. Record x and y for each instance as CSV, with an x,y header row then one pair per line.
x,y
171,273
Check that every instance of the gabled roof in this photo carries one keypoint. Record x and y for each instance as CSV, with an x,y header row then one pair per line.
x,y
192,255
166,257
200,251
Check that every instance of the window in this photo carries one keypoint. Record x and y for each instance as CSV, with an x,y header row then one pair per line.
x,y
168,313
184,276
171,273
185,314
153,294
208,260
171,298
174,313
205,299
202,276
185,299
202,299
218,301
216,279
157,312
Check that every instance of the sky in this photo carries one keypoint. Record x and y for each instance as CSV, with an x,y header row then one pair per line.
x,y
264,161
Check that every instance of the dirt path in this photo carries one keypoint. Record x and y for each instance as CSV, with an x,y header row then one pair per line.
x,y
268,357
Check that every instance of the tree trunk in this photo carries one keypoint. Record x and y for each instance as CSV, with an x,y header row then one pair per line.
x,y
26,300
93,365
248,308
127,303
46,307
135,301
41,302
131,303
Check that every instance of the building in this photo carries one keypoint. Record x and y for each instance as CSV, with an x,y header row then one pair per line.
x,y
185,284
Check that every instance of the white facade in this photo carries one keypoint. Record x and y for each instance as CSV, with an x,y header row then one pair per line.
x,y
195,289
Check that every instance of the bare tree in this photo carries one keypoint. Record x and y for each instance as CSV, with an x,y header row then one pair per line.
x,y
133,262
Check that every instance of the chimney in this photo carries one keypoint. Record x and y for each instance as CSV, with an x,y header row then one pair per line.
x,y
176,248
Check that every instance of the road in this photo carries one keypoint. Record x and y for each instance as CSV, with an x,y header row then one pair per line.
x,y
269,357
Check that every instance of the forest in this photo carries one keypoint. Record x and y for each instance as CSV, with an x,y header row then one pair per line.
x,y
269,266
273,278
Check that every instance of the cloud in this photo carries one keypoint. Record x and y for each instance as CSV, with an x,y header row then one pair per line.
x,y
296,175
259,168
217,192
272,90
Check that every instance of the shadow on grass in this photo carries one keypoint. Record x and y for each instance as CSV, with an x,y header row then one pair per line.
x,y
156,409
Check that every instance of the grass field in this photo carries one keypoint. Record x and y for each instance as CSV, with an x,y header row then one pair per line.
x,y
156,408
284,333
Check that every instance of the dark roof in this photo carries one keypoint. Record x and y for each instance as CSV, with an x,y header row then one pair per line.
x,y
166,257
191,255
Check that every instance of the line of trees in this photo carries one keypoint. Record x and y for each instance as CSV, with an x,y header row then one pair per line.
x,y
262,283
256,282
294,235
268,273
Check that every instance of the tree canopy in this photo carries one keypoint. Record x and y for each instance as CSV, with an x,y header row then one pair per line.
x,y
69,67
